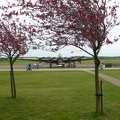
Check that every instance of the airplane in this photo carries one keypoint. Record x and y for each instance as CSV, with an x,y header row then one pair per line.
x,y
59,61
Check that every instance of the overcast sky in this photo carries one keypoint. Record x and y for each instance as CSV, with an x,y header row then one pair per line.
x,y
106,50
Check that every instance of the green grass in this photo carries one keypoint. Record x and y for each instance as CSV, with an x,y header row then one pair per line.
x,y
55,95
114,60
18,62
113,73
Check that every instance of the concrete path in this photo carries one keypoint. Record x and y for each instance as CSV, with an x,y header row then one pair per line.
x,y
107,78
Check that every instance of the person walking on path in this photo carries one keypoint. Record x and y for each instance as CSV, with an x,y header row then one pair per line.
x,y
29,67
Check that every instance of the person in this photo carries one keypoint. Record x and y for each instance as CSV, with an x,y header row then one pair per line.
x,y
29,67
35,66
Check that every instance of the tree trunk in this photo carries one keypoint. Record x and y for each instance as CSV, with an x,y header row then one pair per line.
x,y
12,81
97,85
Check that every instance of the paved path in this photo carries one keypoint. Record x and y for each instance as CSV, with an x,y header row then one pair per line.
x,y
107,78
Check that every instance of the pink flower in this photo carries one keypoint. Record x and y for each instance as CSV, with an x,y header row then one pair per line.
x,y
54,2
42,16
108,41
34,30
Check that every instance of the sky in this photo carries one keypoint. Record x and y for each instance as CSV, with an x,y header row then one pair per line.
x,y
106,50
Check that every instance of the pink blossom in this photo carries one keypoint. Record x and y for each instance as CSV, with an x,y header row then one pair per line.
x,y
108,41
54,2
34,30
102,7
42,16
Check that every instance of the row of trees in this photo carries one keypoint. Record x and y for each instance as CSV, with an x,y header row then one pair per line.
x,y
55,24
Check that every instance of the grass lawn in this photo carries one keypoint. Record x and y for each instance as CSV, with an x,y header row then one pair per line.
x,y
112,73
114,60
18,62
56,95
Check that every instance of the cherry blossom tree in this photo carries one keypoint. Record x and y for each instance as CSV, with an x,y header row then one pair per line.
x,y
14,40
81,23
18,34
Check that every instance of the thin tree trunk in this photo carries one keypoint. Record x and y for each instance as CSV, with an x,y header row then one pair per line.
x,y
13,86
97,89
97,84
11,83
